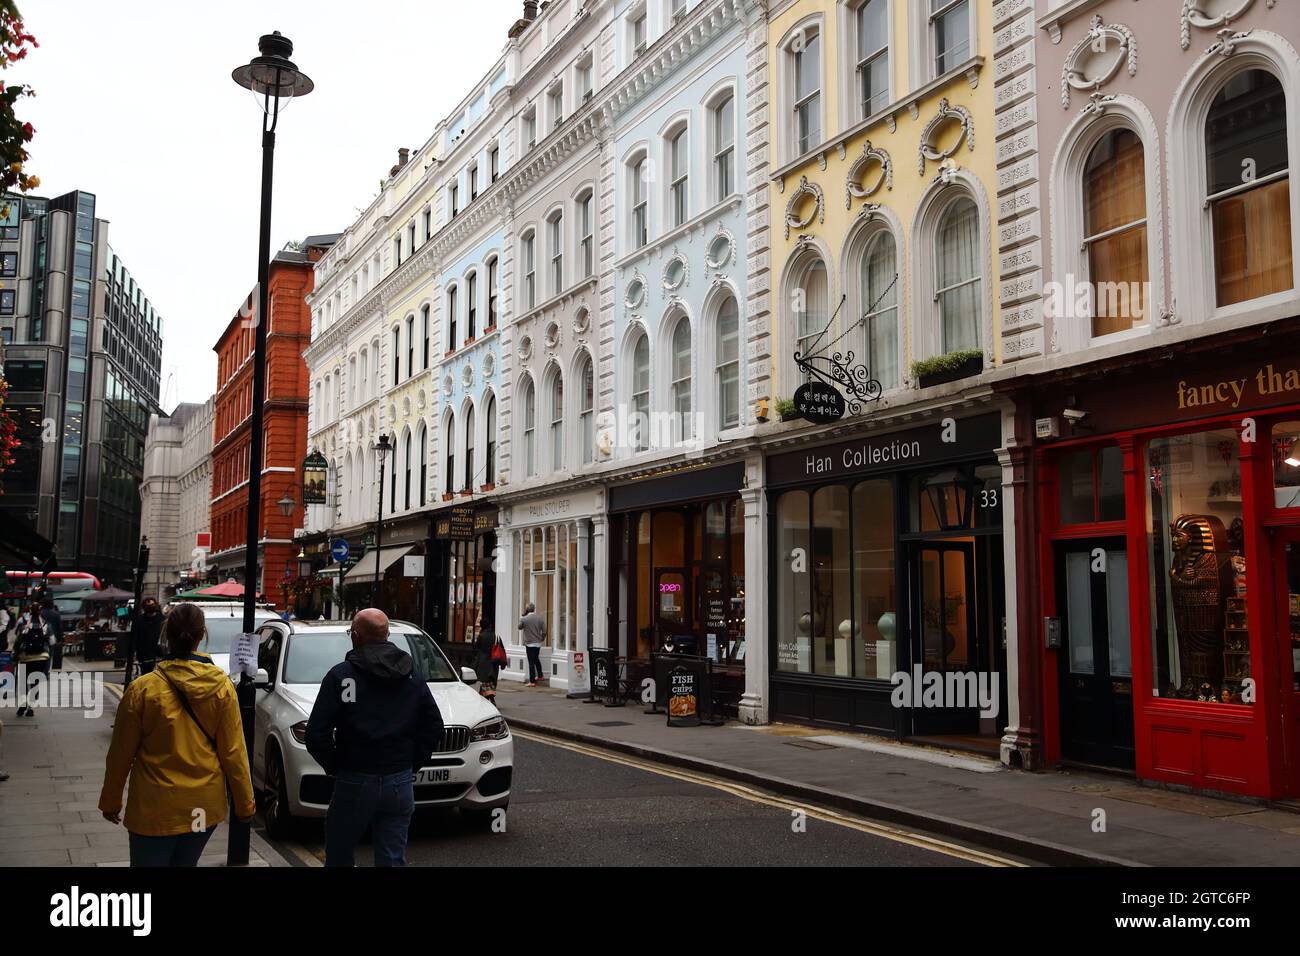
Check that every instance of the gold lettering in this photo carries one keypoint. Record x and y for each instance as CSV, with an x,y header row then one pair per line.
x,y
1238,389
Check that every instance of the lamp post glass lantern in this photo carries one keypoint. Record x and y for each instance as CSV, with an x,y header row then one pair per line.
x,y
286,504
382,447
274,80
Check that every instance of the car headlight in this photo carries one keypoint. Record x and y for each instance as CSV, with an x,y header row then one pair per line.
x,y
299,731
494,728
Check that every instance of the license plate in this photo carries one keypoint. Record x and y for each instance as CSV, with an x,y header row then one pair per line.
x,y
432,776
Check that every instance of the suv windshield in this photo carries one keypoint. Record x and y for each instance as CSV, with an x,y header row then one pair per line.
x,y
309,656
224,628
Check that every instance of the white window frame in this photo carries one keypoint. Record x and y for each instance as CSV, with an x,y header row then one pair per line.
x,y
795,37
555,242
721,152
639,229
555,104
677,161
528,267
585,222
853,60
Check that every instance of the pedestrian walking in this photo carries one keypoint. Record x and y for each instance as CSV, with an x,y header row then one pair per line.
x,y
374,724
146,631
534,627
489,657
32,655
54,623
179,737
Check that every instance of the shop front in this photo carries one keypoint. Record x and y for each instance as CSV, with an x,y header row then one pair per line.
x,y
677,571
1169,569
549,550
887,598
463,583
390,577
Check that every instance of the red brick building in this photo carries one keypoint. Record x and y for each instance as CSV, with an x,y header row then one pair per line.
x,y
284,423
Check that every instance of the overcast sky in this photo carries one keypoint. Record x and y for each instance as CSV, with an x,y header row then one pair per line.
x,y
134,103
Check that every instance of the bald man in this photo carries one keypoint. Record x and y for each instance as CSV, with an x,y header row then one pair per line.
x,y
373,725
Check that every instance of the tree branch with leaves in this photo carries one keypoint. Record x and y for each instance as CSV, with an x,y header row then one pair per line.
x,y
15,42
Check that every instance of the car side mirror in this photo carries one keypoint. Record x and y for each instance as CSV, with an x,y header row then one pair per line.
x,y
262,680
468,675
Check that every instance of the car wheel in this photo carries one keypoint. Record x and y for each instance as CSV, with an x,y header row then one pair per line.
x,y
279,820
481,818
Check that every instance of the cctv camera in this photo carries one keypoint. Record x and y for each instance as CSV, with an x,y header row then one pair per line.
x,y
1074,415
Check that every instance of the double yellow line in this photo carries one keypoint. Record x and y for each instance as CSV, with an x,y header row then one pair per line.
x,y
897,835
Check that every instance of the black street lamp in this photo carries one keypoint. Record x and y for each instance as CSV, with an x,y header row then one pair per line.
x,y
271,77
381,448
286,504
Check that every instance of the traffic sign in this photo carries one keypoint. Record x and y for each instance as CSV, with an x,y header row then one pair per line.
x,y
339,550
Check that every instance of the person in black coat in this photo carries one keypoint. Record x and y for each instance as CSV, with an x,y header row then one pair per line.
x,y
145,632
373,725
484,666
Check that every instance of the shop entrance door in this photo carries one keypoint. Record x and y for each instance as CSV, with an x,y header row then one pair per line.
x,y
1096,673
946,637
1288,625
673,609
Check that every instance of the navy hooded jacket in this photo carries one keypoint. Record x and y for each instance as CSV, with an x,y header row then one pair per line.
x,y
374,714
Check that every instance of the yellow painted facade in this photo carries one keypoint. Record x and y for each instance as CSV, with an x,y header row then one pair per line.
x,y
804,225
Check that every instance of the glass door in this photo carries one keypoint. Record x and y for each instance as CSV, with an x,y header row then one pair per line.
x,y
946,637
1288,617
672,598
1095,664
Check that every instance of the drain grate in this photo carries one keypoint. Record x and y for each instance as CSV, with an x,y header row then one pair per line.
x,y
610,723
810,744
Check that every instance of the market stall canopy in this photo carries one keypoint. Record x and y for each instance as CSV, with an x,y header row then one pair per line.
x,y
215,592
365,568
107,594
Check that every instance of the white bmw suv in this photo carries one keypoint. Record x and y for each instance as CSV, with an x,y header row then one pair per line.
x,y
471,769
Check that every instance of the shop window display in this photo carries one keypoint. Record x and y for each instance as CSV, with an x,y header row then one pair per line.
x,y
1286,465
1199,576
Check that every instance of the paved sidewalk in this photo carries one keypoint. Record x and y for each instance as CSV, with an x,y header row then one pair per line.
x,y
49,806
1046,816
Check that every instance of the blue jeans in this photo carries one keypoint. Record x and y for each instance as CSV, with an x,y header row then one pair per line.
x,y
181,849
534,662
384,803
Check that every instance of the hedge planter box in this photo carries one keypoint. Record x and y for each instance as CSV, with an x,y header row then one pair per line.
x,y
966,368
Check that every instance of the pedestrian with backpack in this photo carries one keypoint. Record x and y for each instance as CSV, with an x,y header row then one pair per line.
x,y
179,739
32,647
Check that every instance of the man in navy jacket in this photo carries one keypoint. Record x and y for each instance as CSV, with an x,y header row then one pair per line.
x,y
374,723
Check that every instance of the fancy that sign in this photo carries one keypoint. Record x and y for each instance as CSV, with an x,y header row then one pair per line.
x,y
819,402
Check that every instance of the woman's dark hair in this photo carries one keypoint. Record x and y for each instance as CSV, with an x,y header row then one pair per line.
x,y
182,629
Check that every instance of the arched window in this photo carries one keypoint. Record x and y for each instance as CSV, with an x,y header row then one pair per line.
x,y
471,306
557,422
586,233
365,374
528,263
681,379
423,438
530,429
451,319
1115,228
679,165
397,358
639,187
1246,131
392,478
880,308
406,469
469,448
410,346
811,320
726,354
490,455
492,293
352,382
641,392
724,146
555,226
806,67
872,56
424,337
957,276
587,410
449,456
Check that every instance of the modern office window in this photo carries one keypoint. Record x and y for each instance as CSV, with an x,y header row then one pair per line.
x,y
452,312
492,293
807,57
640,203
1115,228
557,422
471,306
873,56
9,263
587,411
681,380
490,457
586,234
8,301
679,179
957,279
641,393
880,307
530,429
1246,128
724,148
530,270
950,33
469,450
556,224
726,353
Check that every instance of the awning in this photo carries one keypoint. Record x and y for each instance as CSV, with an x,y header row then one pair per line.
x,y
365,568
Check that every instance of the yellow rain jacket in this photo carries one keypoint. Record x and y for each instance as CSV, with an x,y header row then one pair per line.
x,y
173,769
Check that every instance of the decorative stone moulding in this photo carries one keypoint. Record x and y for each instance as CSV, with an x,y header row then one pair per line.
x,y
406,407
552,338
635,294
867,213
1211,15
582,320
799,198
676,273
489,364
420,400
447,385
526,347
1226,45
1097,57
721,249
467,375
857,185
947,116
392,413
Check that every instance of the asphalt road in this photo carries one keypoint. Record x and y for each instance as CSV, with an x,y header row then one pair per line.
x,y
576,808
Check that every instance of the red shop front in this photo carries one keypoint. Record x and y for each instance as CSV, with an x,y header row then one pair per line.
x,y
1168,568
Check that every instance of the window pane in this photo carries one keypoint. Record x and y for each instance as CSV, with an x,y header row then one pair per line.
x,y
958,271
793,620
879,303
875,598
951,38
1246,124
1200,647
831,622
1286,464
1077,488
1121,662
1110,484
1078,610
1252,243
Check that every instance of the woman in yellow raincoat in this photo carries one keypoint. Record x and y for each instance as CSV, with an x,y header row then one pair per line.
x,y
178,735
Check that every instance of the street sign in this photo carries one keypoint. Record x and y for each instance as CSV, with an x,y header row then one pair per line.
x,y
819,402
339,550
369,539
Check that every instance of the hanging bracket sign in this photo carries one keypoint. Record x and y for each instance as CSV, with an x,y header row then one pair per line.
x,y
819,402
